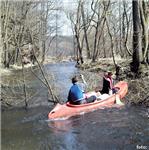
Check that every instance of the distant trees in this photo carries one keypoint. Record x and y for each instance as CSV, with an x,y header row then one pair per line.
x,y
97,25
112,29
140,34
101,28
75,17
25,28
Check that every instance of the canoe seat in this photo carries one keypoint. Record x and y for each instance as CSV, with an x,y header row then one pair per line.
x,y
103,96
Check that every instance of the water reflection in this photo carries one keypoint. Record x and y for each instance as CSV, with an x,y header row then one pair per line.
x,y
66,134
60,125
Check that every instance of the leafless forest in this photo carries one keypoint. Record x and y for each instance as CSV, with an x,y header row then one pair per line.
x,y
100,29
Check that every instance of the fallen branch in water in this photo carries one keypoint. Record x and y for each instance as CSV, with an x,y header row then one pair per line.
x,y
38,78
46,86
24,81
46,83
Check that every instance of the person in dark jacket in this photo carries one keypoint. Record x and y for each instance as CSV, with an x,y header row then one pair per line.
x,y
76,94
108,84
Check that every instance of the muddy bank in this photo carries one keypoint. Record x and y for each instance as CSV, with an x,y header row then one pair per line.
x,y
138,93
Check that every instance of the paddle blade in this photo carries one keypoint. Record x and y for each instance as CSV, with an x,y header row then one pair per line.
x,y
118,101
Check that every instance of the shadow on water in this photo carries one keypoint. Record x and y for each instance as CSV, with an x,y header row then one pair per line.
x,y
114,128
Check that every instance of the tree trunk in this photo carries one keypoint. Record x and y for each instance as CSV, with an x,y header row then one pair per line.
x,y
127,29
6,57
144,13
97,33
4,29
112,43
99,28
85,31
103,42
79,50
77,35
43,30
137,51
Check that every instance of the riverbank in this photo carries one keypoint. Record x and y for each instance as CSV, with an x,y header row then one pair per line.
x,y
138,87
138,93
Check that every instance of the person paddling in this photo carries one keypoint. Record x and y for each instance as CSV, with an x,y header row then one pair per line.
x,y
76,93
108,86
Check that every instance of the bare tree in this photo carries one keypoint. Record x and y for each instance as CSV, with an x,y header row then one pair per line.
x,y
85,31
144,14
126,27
137,50
77,26
20,21
5,7
99,25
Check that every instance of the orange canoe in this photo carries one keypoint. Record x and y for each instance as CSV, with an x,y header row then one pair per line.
x,y
67,110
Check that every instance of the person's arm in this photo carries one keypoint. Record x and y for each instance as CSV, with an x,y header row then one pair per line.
x,y
82,77
82,85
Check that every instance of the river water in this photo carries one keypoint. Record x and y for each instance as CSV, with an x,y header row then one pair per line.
x,y
106,129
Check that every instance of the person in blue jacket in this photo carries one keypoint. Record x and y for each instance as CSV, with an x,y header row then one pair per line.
x,y
76,93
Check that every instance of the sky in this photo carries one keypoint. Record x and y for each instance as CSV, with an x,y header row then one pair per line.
x,y
66,28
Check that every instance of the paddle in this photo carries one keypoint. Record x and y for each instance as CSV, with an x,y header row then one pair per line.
x,y
82,77
118,101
